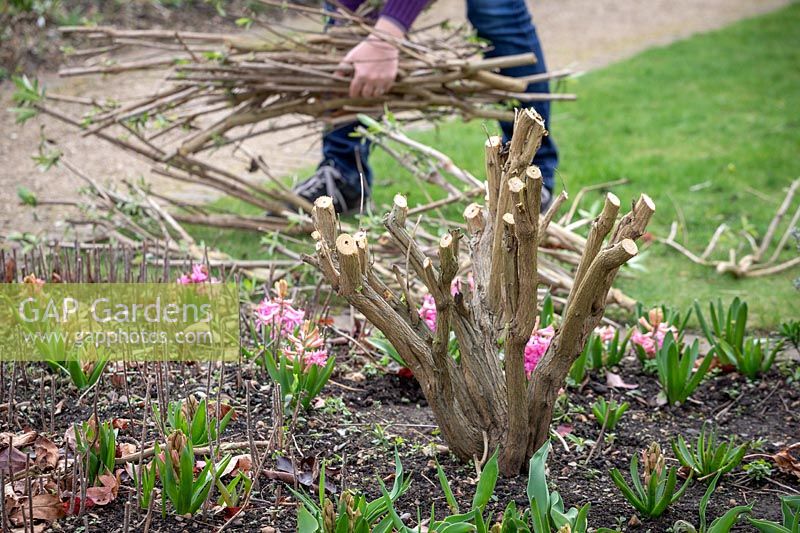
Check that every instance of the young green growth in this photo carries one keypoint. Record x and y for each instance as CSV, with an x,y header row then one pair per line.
x,y
545,515
655,491
676,369
790,331
722,524
709,455
753,359
607,414
181,487
351,512
97,447
192,418
727,325
790,514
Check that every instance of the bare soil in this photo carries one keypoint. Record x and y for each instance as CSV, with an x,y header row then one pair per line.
x,y
577,34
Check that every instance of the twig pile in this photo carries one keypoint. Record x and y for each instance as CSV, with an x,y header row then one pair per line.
x,y
755,263
223,89
243,80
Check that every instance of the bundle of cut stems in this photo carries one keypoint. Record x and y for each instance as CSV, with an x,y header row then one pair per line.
x,y
221,82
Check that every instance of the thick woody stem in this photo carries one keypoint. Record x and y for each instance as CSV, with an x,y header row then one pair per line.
x,y
494,169
473,214
508,261
411,303
527,198
580,318
600,228
395,223
350,277
324,216
326,264
633,225
399,211
448,258
528,132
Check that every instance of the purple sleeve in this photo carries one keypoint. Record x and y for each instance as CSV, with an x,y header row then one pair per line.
x,y
404,12
351,5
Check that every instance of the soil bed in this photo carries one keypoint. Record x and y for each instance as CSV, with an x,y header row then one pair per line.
x,y
358,426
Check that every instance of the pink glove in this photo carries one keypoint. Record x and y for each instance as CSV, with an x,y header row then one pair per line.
x,y
374,62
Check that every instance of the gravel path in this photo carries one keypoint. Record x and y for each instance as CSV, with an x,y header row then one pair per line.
x,y
575,33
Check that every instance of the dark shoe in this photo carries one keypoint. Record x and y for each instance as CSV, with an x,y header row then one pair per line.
x,y
328,181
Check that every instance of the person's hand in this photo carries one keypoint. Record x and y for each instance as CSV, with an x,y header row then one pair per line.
x,y
374,62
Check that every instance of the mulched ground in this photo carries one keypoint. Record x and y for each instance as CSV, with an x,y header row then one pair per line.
x,y
363,420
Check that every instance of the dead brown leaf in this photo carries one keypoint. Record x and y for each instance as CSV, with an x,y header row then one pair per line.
x,y
19,440
105,493
120,423
47,507
69,438
223,410
238,463
46,453
788,459
126,448
12,460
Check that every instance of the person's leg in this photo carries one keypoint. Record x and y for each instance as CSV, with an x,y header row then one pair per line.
x,y
508,26
348,154
344,173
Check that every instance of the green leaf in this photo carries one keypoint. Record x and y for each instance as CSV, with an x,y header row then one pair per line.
x,y
486,483
537,491
724,523
765,526
306,523
448,492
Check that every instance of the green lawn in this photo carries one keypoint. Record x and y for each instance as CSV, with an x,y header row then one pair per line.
x,y
721,108
719,111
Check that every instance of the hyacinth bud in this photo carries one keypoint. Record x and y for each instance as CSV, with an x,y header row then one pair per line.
x,y
281,289
653,461
189,407
566,528
655,316
176,442
328,517
347,500
497,528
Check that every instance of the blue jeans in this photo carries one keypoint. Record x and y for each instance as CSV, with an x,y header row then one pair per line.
x,y
508,26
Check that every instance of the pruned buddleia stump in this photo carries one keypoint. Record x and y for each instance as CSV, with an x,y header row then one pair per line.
x,y
485,398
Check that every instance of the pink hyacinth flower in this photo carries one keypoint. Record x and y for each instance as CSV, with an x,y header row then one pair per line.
x,y
280,313
606,333
317,357
645,340
428,311
537,346
455,287
199,275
